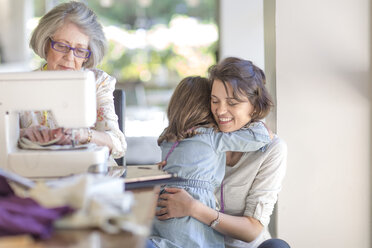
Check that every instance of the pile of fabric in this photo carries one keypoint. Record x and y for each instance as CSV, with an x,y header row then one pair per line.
x,y
20,215
81,201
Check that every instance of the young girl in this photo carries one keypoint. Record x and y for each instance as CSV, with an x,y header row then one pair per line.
x,y
195,151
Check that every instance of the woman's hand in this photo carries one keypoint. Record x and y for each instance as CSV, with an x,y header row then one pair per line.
x,y
44,135
174,202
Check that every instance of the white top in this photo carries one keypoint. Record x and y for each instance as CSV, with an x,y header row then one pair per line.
x,y
251,187
107,120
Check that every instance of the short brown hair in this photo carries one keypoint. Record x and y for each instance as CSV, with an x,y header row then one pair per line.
x,y
188,107
246,80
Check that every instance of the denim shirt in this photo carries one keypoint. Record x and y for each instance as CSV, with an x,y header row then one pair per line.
x,y
201,161
203,156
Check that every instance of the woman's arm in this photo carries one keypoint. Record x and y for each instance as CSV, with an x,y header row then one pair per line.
x,y
178,203
106,130
101,139
43,134
86,135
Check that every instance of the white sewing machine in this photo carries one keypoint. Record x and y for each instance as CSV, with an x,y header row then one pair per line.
x,y
71,96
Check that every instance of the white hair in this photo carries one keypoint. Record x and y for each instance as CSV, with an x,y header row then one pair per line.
x,y
79,14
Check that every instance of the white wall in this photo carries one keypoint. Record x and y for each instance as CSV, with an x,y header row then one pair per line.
x,y
323,63
323,113
242,34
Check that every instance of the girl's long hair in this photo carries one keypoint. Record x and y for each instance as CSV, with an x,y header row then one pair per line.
x,y
188,107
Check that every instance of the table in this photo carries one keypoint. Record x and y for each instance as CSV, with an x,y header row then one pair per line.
x,y
144,210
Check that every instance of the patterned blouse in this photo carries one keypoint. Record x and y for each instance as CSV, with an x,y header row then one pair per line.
x,y
107,120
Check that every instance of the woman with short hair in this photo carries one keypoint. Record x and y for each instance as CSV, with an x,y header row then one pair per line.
x,y
69,37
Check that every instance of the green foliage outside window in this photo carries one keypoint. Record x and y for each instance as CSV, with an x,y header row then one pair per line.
x,y
157,67
155,43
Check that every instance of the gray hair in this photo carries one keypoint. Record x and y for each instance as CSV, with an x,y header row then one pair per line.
x,y
79,14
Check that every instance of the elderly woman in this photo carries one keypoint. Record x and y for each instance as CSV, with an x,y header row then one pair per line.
x,y
69,37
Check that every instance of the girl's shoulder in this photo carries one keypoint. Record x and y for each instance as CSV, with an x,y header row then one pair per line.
x,y
256,124
257,127
205,130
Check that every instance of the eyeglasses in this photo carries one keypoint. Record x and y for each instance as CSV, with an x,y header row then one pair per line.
x,y
64,48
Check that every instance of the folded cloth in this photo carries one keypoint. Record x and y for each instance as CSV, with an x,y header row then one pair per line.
x,y
25,216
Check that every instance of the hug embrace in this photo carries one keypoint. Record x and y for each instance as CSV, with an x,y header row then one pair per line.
x,y
217,142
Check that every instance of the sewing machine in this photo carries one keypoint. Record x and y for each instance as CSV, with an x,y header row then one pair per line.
x,y
71,96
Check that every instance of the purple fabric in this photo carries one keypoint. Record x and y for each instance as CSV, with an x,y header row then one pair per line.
x,y
5,189
25,216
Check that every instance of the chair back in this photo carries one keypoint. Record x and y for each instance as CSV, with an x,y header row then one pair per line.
x,y
119,102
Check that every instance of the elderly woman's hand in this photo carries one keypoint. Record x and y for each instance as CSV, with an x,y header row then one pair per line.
x,y
174,202
44,135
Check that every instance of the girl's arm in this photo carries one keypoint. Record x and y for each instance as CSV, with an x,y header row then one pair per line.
x,y
243,140
179,204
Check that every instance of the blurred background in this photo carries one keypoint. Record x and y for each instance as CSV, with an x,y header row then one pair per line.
x,y
152,45
317,59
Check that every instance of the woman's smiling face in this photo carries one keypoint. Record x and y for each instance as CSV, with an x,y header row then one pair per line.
x,y
230,114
